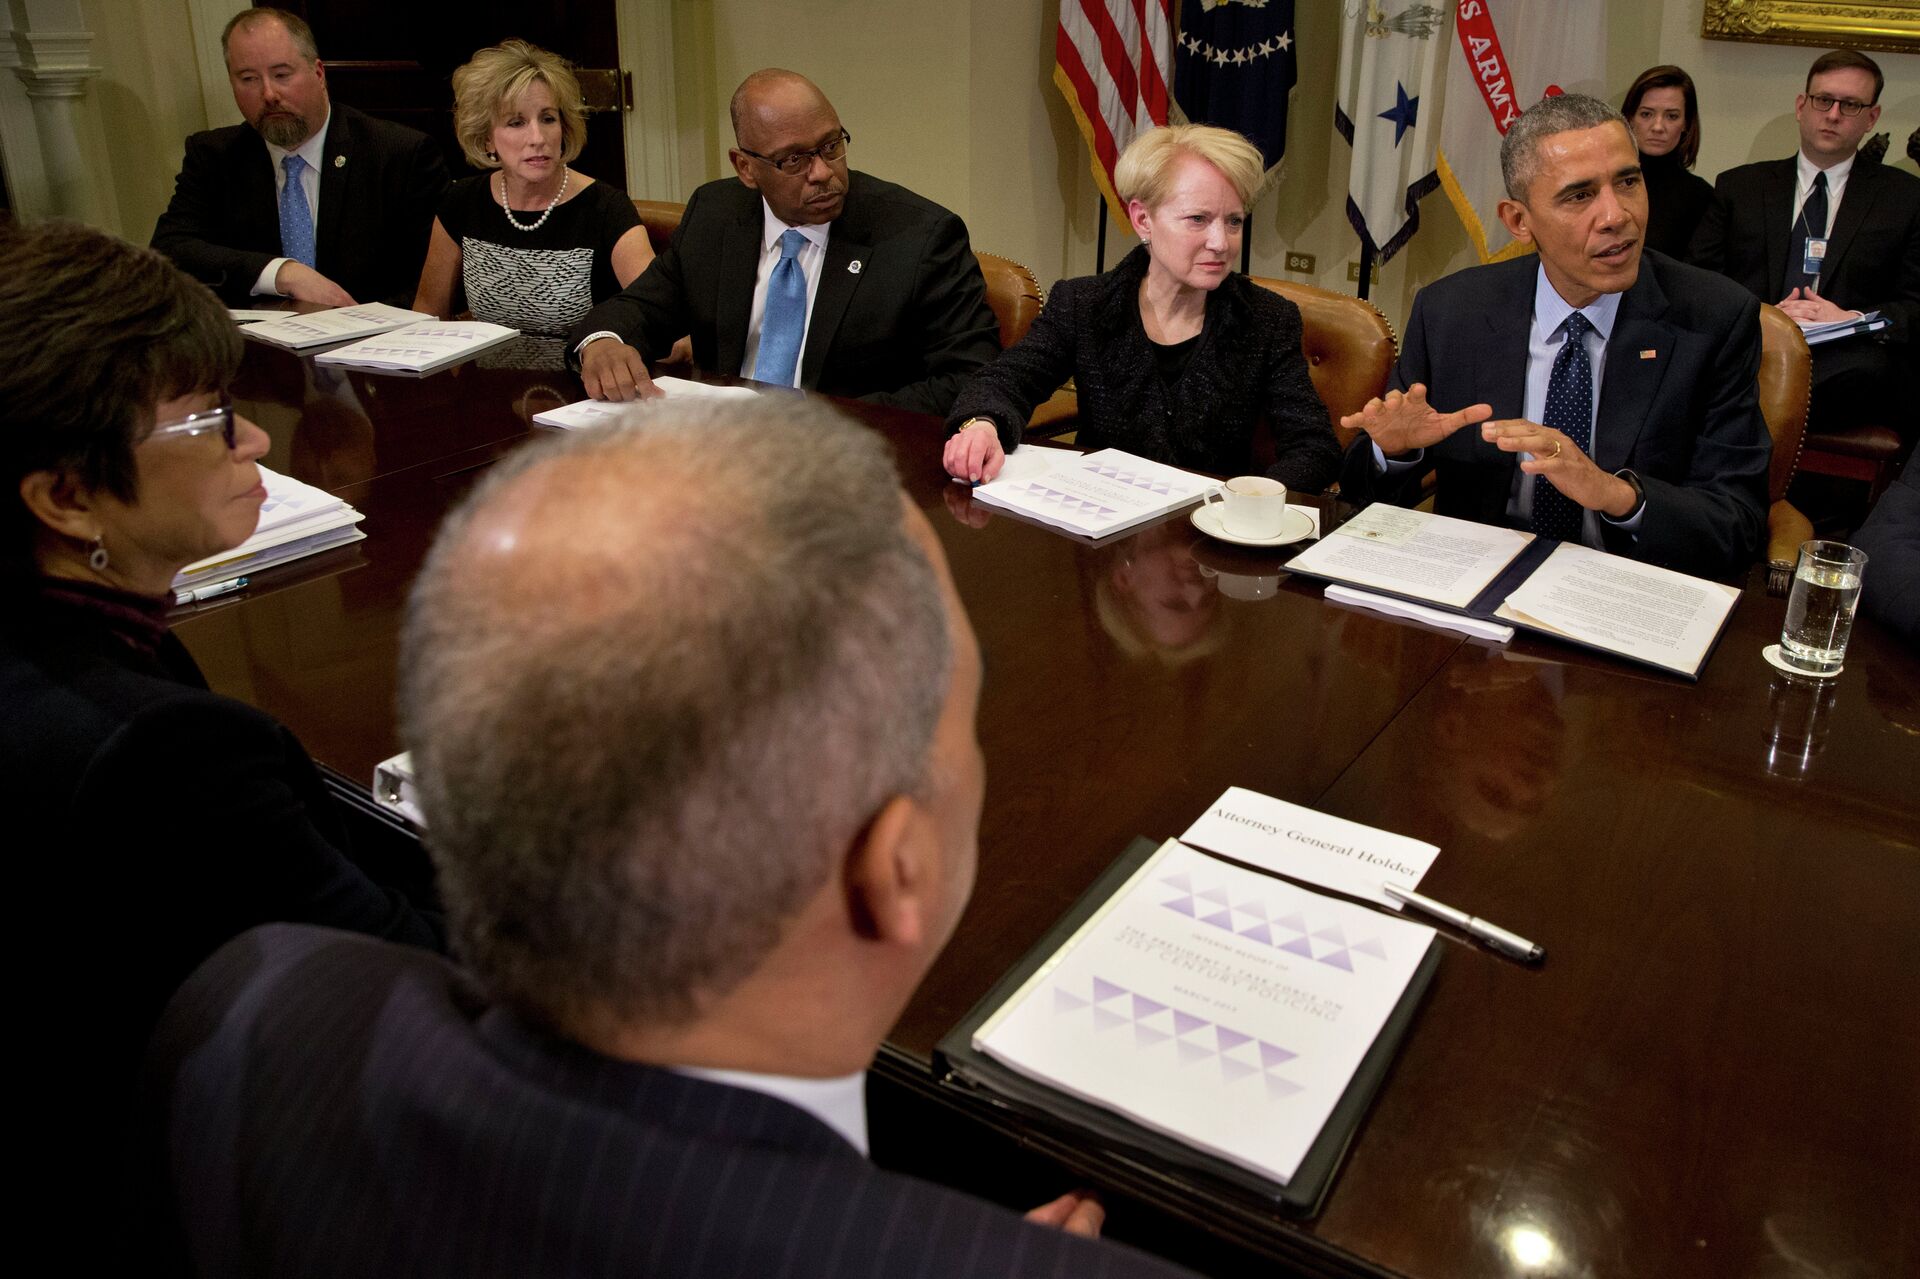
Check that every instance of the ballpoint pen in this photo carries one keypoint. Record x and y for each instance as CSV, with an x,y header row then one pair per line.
x,y
209,592
1493,936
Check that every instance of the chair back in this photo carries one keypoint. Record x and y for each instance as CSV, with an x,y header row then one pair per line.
x,y
1786,382
661,218
1013,293
1349,346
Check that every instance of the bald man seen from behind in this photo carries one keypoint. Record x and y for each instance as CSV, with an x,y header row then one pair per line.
x,y
693,714
799,271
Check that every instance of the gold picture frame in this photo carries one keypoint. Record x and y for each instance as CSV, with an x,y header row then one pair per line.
x,y
1892,26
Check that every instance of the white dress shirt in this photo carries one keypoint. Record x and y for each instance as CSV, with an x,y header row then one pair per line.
x,y
313,151
840,1103
812,260
1803,175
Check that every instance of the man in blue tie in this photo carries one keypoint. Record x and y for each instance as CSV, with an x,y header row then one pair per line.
x,y
1826,235
306,200
1595,392
802,273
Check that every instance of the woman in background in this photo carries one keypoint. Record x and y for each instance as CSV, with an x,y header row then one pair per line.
x,y
1663,111
533,244
1175,356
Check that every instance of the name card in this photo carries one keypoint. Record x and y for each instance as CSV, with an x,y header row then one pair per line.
x,y
1302,844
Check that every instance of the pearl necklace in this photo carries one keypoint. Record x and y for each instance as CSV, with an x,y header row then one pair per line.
x,y
565,175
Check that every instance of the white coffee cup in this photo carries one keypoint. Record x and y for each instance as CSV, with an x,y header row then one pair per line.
x,y
1252,506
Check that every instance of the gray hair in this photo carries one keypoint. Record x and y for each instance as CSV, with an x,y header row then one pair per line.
x,y
1562,113
645,732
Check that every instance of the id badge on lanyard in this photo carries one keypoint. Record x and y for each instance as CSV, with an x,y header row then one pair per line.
x,y
1814,256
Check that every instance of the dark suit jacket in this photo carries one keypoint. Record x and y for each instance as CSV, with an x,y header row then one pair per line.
x,y
907,325
1687,420
1890,588
1873,253
322,1104
1247,369
376,209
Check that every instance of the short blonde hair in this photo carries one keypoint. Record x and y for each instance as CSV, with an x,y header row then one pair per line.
x,y
1145,170
496,80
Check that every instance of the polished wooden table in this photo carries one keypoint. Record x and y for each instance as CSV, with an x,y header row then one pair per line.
x,y
1717,1071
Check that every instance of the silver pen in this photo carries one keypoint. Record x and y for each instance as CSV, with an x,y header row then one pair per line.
x,y
209,592
1512,945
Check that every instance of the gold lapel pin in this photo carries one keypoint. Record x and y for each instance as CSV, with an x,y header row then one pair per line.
x,y
339,162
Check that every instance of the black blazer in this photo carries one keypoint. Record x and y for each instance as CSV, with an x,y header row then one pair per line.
x,y
1686,418
380,185
1890,589
900,316
1248,368
321,1104
1873,254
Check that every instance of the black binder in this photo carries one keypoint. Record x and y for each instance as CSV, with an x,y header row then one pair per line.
x,y
957,1062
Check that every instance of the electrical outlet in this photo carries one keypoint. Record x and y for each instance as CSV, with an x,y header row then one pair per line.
x,y
1300,262
1353,274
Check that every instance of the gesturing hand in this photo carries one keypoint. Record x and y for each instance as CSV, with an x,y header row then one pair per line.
x,y
1400,423
612,370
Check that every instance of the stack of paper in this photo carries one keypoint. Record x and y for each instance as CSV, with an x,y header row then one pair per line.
x,y
343,324
1092,494
583,414
1818,331
421,348
296,520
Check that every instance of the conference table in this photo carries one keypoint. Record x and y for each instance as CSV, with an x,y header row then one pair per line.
x,y
1715,1072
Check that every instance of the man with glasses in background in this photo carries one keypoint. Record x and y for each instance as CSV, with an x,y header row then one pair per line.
x,y
802,273
1826,235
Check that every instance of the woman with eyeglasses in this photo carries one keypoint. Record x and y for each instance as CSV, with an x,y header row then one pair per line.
x,y
150,819
1663,111
531,243
1175,356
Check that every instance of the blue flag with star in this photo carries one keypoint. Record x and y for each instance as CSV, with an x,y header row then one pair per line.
x,y
1393,57
1234,65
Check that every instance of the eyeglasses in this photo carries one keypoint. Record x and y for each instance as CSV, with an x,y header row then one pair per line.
x,y
1823,104
218,418
795,163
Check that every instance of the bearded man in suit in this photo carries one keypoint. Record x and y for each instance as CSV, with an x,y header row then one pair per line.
x,y
309,199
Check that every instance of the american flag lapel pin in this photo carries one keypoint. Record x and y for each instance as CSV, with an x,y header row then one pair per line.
x,y
1649,354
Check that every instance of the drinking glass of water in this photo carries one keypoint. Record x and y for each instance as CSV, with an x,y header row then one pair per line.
x,y
1826,587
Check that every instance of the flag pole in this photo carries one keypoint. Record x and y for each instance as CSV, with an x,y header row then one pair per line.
x,y
1366,267
1100,251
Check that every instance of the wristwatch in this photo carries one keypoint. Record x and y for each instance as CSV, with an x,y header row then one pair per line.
x,y
1639,494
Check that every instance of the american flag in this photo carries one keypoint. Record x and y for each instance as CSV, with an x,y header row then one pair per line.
x,y
1112,59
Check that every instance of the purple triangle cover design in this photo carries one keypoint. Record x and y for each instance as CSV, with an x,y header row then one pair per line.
x,y
1272,1055
1258,933
1144,1007
1278,1088
1066,1002
1337,959
1229,1039
1104,1020
1293,921
1216,895
1147,1036
1190,1053
1221,919
1104,990
1299,946
1182,904
1184,1022
1371,946
1232,1070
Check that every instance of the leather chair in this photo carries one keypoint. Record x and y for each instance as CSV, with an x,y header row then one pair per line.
x,y
1013,293
1786,383
1349,345
661,218
1868,453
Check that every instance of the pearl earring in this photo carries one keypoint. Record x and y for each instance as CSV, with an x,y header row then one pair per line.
x,y
97,558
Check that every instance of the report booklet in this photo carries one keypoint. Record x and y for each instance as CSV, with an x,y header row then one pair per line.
x,y
421,348
1092,494
342,324
583,414
296,520
1601,601
1196,1012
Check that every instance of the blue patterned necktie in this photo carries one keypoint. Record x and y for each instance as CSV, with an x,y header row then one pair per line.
x,y
296,220
786,315
1569,411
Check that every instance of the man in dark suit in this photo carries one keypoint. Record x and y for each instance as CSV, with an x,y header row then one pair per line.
x,y
1824,236
704,818
802,273
1611,392
306,200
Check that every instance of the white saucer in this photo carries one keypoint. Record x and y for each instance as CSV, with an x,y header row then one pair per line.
x,y
1296,527
1774,659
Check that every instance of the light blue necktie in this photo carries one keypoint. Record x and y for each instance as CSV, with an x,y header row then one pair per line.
x,y
296,220
786,315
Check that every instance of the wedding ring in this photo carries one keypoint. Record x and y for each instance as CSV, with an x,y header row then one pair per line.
x,y
1556,450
